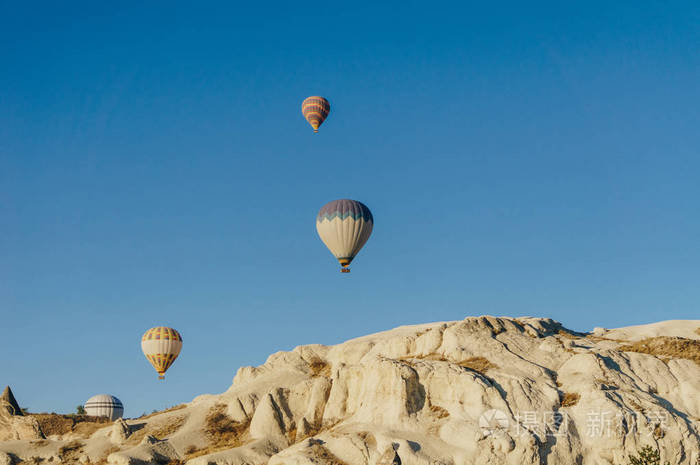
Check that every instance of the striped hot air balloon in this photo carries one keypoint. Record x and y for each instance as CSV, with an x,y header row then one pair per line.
x,y
104,405
344,226
315,109
161,346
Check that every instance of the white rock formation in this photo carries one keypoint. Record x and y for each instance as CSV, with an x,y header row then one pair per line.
x,y
483,390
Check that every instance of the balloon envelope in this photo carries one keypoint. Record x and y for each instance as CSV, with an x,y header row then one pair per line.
x,y
161,346
104,405
315,109
344,226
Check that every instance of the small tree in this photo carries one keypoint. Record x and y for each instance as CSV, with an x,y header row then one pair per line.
x,y
80,410
647,456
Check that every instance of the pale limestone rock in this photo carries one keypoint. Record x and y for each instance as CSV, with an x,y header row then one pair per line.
x,y
469,392
13,427
150,450
120,431
5,459
269,420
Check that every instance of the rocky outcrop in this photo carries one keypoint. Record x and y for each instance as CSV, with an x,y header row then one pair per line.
x,y
9,403
13,424
484,390
120,431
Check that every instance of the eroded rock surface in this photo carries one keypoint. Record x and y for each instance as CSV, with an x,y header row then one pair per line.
x,y
484,390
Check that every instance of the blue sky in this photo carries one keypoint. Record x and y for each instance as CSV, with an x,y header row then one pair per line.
x,y
519,159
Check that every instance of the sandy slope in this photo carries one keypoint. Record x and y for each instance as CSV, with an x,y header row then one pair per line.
x,y
484,390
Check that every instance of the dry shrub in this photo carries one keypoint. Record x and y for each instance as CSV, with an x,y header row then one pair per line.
x,y
53,423
86,429
569,399
69,452
636,406
169,427
669,347
480,364
292,435
659,432
320,367
222,431
697,331
439,411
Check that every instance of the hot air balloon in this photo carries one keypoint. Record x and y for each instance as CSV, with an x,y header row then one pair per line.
x,y
344,226
161,346
104,405
315,109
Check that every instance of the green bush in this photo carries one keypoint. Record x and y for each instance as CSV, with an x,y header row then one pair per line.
x,y
80,410
647,456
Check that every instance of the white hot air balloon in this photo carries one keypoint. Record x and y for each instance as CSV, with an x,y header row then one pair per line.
x,y
344,226
161,346
104,405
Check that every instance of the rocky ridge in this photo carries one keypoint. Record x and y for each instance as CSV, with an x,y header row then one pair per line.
x,y
483,390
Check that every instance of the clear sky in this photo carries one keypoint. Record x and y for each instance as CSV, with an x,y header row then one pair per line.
x,y
523,158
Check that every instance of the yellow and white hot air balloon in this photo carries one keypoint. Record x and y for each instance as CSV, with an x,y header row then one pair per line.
x,y
161,346
344,226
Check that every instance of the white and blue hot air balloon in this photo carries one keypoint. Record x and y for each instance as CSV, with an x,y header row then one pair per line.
x,y
104,405
344,226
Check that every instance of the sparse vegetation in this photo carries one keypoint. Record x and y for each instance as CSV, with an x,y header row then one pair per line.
x,y
480,364
646,456
636,406
320,367
222,431
292,435
68,452
52,423
569,399
439,411
666,348
162,431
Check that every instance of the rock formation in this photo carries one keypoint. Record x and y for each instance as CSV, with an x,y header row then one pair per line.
x,y
13,424
484,390
9,403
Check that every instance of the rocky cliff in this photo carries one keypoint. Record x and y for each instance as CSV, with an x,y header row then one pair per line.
x,y
484,390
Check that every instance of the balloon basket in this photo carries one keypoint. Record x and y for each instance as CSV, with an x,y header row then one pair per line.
x,y
345,270
161,376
